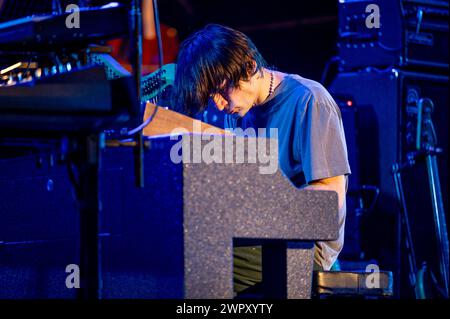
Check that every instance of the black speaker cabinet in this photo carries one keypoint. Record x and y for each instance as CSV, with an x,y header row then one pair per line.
x,y
409,33
385,137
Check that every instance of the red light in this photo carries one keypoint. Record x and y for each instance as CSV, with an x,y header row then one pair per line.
x,y
349,103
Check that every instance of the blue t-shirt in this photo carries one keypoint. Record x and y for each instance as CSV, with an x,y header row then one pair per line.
x,y
311,136
312,146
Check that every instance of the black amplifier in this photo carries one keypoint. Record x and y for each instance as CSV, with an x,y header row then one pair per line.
x,y
387,33
385,103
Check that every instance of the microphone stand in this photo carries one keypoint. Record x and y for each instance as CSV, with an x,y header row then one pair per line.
x,y
425,148
136,48
158,33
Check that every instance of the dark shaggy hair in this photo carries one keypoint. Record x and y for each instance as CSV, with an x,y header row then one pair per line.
x,y
208,58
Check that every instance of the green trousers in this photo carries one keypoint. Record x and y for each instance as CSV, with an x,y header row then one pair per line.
x,y
247,267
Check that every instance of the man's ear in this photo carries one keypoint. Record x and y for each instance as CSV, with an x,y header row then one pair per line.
x,y
251,68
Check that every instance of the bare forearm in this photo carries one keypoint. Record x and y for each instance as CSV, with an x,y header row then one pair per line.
x,y
337,184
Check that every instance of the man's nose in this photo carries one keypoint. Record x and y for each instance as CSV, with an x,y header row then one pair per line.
x,y
220,102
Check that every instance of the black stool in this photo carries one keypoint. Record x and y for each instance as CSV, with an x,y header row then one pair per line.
x,y
347,284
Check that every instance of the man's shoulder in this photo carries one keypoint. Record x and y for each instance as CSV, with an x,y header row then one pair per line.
x,y
308,87
311,91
